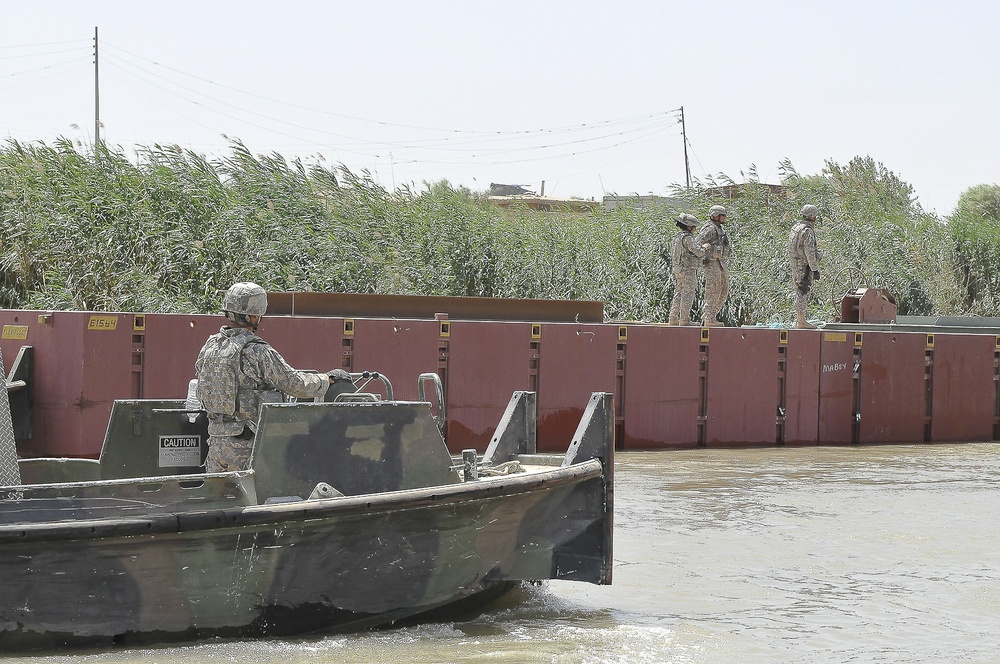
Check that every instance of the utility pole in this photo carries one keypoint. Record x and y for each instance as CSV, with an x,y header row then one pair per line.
x,y
97,95
684,136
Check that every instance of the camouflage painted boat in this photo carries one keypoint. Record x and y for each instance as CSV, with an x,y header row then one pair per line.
x,y
352,514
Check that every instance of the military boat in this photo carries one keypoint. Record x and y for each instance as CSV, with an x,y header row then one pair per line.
x,y
352,514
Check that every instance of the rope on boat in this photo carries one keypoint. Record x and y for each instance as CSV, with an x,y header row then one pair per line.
x,y
506,468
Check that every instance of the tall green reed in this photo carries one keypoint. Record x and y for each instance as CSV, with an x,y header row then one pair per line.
x,y
169,229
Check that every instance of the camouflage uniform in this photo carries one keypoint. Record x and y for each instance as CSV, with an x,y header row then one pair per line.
x,y
716,270
804,257
238,360
685,258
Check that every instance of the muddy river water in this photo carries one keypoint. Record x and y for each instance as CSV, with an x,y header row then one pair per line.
x,y
819,554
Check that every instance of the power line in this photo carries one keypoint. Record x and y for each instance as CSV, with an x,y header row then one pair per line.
x,y
369,120
147,96
649,147
81,62
218,101
58,43
36,69
223,113
35,55
452,147
545,157
703,171
650,124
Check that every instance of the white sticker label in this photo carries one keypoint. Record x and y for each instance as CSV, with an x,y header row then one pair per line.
x,y
177,451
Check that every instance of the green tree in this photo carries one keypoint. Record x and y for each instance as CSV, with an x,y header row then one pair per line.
x,y
974,228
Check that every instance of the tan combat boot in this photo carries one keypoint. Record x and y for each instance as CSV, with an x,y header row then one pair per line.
x,y
802,324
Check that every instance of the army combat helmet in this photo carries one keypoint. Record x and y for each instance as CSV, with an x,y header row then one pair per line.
x,y
809,212
716,211
243,300
686,222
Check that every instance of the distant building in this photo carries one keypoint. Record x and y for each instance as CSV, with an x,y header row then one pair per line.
x,y
546,203
507,195
728,192
510,190
732,191
641,202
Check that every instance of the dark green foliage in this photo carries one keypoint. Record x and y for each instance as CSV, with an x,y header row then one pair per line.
x,y
975,231
169,230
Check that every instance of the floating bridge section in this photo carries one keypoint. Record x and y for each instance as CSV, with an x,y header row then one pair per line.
x,y
674,387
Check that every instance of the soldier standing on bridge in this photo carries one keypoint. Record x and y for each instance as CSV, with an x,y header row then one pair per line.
x,y
804,257
716,264
685,258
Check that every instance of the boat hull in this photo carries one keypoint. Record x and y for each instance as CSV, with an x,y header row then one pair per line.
x,y
339,564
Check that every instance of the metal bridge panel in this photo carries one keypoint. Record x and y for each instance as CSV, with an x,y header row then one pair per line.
x,y
893,388
963,388
575,361
58,376
743,387
802,371
662,396
399,349
171,348
487,362
836,387
112,357
306,343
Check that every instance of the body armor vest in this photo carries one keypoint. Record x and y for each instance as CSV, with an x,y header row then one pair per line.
x,y
218,369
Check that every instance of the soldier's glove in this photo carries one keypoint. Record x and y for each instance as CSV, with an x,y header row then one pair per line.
x,y
815,275
339,375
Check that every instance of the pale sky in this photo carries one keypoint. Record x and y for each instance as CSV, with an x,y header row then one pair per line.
x,y
580,94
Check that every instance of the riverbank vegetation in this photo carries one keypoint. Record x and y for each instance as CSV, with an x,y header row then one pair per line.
x,y
167,230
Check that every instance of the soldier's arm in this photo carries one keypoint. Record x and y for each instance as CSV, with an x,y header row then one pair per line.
x,y
812,253
707,235
691,245
279,374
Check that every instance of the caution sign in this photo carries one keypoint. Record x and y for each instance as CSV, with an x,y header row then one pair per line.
x,y
179,451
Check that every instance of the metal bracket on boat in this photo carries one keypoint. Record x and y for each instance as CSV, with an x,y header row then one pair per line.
x,y
516,433
470,469
441,418
20,389
595,436
324,491
367,377
357,397
359,381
